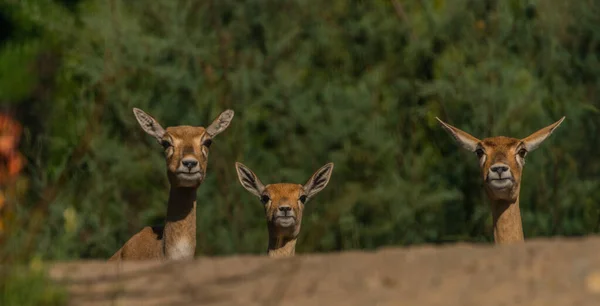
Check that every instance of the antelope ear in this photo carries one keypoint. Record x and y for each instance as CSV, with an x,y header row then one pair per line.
x,y
249,180
461,137
149,124
534,140
220,124
318,181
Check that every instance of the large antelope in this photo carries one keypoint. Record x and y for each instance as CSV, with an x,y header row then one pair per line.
x,y
283,204
501,160
186,150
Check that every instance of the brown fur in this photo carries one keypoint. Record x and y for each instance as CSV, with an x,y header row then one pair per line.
x,y
282,239
508,152
177,239
502,150
187,142
282,247
506,214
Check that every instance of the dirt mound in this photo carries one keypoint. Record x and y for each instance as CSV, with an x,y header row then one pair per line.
x,y
539,272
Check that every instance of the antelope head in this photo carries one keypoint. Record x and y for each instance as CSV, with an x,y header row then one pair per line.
x,y
284,202
501,159
186,147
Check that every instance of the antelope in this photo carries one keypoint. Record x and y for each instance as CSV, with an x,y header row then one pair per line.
x,y
501,160
186,150
283,204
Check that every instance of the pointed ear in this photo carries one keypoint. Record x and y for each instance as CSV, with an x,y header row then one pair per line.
x,y
220,124
534,140
249,180
463,138
318,181
149,124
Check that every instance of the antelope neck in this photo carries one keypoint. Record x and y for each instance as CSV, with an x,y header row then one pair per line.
x,y
280,246
180,226
508,227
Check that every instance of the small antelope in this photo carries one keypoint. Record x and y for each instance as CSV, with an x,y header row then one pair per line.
x,y
186,150
283,205
501,160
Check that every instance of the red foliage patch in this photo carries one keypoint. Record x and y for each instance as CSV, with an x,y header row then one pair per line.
x,y
11,161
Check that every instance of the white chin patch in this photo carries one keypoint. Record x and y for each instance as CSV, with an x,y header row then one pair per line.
x,y
189,180
500,184
285,222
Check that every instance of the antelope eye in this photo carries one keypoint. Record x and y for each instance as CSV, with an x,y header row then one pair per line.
x,y
265,199
479,152
522,153
166,144
302,199
207,143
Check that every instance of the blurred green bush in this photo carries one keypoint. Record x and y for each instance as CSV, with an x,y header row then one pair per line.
x,y
29,286
354,82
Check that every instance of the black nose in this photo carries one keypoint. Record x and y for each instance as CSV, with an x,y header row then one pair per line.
x,y
499,168
285,208
190,163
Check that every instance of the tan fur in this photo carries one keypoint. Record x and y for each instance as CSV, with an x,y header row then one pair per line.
x,y
177,239
502,150
187,142
282,239
506,214
282,248
509,154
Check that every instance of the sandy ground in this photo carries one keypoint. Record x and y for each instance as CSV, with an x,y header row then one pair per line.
x,y
545,272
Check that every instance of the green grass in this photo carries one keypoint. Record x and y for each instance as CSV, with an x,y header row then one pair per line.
x,y
24,286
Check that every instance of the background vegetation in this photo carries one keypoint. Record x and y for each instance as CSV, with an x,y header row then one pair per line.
x,y
358,83
30,286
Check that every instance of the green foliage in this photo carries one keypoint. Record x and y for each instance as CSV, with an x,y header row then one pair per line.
x,y
358,83
21,286
16,79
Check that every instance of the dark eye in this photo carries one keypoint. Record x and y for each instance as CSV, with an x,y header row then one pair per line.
x,y
522,153
265,199
207,143
165,143
303,199
479,152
